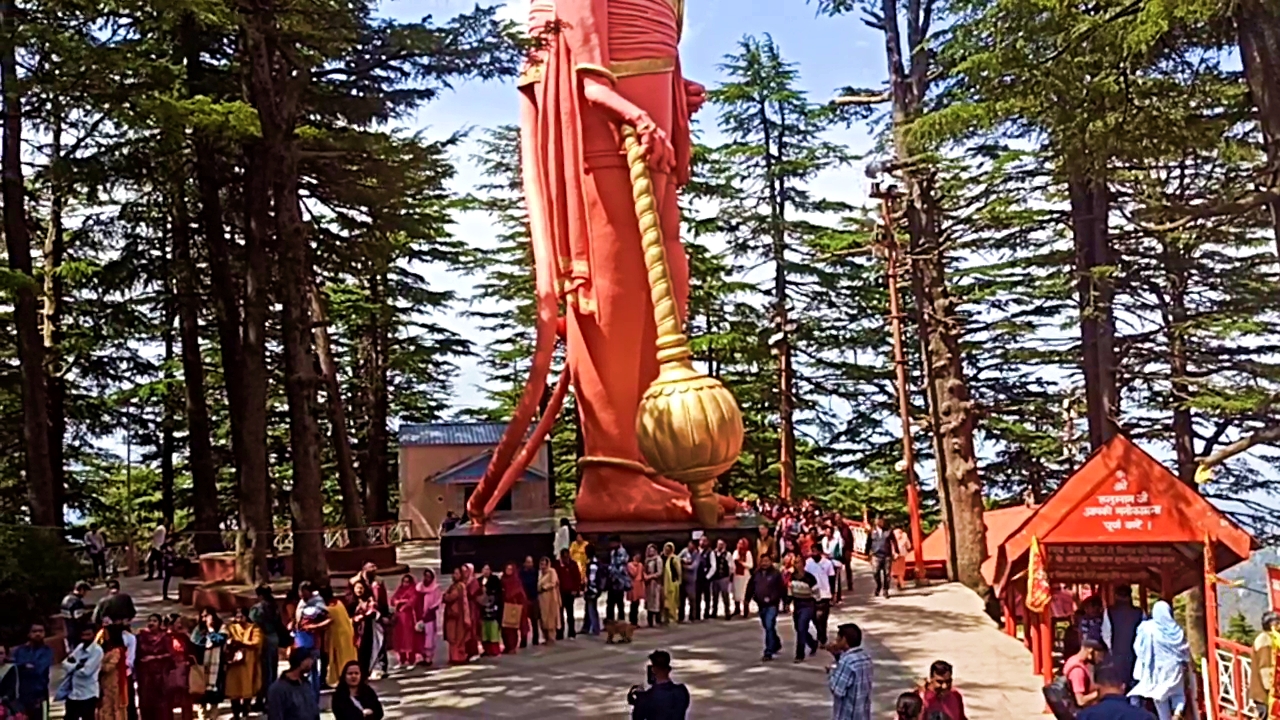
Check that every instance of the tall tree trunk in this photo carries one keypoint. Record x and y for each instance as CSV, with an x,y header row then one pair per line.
x,y
167,421
277,106
373,365
204,476
1258,35
949,389
348,483
951,410
1183,426
251,476
256,496
54,254
945,509
1090,204
41,492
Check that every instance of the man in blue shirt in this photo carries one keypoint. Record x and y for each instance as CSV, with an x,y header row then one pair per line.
x,y
851,679
33,660
1110,680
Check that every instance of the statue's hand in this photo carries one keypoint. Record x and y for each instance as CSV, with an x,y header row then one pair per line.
x,y
657,146
695,96
658,151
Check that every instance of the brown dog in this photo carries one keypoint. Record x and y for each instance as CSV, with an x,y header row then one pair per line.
x,y
622,629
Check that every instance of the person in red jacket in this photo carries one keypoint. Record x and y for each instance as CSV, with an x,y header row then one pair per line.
x,y
570,588
940,696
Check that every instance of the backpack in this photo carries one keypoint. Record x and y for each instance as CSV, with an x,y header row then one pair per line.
x,y
1061,699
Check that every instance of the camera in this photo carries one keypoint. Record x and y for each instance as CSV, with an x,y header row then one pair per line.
x,y
634,693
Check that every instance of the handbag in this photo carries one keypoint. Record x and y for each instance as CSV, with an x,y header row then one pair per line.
x,y
197,681
512,614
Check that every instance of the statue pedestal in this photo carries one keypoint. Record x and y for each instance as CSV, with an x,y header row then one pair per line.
x,y
511,536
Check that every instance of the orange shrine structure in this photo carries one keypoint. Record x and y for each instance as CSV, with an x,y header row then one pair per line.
x,y
1122,519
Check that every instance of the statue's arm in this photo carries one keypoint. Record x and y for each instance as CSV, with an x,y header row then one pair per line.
x,y
584,25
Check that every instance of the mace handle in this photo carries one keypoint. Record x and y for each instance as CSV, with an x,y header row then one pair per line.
x,y
673,346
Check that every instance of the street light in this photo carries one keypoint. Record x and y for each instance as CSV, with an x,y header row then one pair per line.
x,y
888,196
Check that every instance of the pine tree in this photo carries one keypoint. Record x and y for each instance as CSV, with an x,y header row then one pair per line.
x,y
762,210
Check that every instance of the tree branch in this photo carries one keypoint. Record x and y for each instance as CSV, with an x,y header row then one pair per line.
x,y
876,99
1238,206
1266,436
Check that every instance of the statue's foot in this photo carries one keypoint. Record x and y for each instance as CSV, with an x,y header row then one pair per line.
x,y
610,493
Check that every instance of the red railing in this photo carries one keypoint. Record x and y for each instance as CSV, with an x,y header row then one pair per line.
x,y
1231,664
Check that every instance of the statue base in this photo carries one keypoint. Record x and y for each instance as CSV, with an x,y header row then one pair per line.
x,y
511,536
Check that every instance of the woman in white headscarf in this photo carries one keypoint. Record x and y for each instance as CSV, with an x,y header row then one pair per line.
x,y
1161,654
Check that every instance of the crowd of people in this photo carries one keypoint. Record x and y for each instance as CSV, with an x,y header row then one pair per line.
x,y
1119,662
799,563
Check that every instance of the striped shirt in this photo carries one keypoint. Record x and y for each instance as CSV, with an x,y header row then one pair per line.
x,y
850,683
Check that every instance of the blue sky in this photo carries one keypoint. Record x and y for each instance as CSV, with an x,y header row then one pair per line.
x,y
830,53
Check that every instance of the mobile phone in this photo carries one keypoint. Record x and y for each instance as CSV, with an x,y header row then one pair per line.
x,y
648,676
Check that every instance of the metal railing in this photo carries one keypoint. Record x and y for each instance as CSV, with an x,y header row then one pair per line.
x,y
388,533
1234,668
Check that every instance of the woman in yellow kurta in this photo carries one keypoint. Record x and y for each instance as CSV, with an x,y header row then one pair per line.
x,y
578,552
672,576
341,640
244,673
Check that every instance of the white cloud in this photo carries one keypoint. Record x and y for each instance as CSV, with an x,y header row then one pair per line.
x,y
515,11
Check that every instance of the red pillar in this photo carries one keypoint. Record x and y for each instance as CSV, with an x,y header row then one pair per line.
x,y
1211,620
1033,634
1046,647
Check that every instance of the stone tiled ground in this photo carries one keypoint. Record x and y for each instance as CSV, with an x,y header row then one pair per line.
x,y
720,662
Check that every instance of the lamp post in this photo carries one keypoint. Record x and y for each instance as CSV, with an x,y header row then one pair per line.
x,y
889,244
131,551
780,345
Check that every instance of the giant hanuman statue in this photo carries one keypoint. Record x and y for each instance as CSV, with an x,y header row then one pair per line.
x,y
605,145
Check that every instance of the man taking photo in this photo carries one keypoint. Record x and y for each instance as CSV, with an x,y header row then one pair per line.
x,y
664,700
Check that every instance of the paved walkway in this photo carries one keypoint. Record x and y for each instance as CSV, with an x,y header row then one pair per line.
x,y
720,662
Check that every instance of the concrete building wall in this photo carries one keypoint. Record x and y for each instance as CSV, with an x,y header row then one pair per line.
x,y
424,503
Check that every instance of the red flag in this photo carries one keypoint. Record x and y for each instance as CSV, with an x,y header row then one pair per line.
x,y
1038,590
1273,586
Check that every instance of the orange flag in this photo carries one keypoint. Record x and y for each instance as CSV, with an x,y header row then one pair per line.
x,y
1038,591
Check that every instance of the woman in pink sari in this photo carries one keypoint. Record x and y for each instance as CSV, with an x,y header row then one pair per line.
x,y
406,637
432,600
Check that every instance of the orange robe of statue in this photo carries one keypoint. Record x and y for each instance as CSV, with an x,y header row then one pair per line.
x,y
600,63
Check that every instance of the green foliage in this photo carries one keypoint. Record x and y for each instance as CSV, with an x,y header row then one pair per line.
x,y
1239,630
35,573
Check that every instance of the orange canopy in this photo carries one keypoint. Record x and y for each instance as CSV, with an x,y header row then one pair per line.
x,y
1000,524
1122,517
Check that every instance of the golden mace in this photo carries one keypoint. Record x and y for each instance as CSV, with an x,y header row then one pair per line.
x,y
689,426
